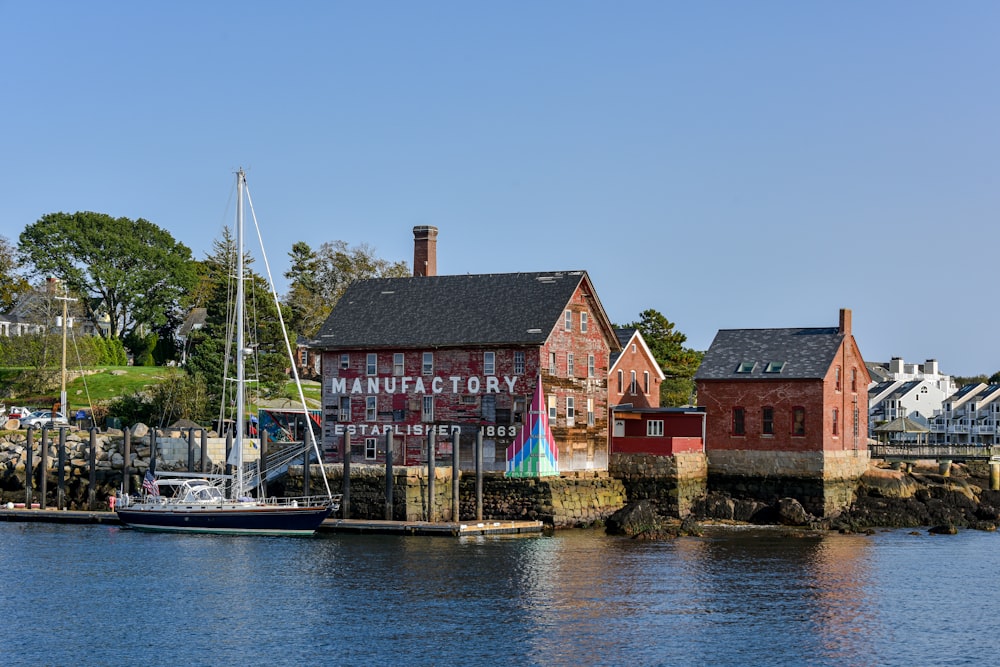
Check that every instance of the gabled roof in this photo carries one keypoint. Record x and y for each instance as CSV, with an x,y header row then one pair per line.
x,y
462,310
771,354
625,337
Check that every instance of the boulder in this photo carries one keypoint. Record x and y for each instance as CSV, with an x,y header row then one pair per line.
x,y
12,424
139,430
791,513
635,519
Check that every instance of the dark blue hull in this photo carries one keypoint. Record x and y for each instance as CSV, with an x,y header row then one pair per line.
x,y
248,521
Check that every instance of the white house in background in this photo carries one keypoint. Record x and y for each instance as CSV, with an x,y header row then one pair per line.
x,y
899,371
919,400
898,389
969,417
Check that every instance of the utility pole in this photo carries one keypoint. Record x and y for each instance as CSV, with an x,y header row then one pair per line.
x,y
62,392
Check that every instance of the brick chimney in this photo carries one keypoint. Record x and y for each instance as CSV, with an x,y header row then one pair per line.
x,y
845,321
425,251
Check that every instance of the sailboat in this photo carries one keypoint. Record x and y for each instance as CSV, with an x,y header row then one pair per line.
x,y
207,503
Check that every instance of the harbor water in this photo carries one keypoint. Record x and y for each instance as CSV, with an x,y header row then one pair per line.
x,y
101,595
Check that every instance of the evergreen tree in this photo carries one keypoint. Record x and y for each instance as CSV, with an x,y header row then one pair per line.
x,y
678,363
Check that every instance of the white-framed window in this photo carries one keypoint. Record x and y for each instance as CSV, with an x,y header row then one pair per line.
x,y
590,412
371,449
518,362
568,320
489,363
427,413
552,409
427,367
621,380
344,409
398,364
371,364
371,408
583,322
552,363
590,366
654,427
633,388
645,382
569,364
570,411
345,361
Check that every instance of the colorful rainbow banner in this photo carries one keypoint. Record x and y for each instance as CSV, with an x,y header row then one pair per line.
x,y
534,453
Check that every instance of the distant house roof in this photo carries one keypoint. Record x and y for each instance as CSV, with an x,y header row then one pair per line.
x,y
441,311
194,320
902,425
742,354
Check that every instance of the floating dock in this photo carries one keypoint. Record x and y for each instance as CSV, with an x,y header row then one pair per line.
x,y
355,526
447,528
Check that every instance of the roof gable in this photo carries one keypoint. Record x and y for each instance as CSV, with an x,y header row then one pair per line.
x,y
744,354
441,311
626,336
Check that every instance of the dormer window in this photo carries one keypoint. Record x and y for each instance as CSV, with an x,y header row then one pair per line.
x,y
774,367
746,366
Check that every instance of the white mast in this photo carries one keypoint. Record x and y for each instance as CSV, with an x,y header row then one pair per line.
x,y
240,344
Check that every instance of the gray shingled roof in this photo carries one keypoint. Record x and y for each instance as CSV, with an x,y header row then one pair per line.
x,y
624,335
439,311
807,353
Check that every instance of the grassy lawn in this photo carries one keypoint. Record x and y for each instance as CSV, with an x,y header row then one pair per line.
x,y
111,382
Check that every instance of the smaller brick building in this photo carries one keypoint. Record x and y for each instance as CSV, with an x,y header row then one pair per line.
x,y
787,413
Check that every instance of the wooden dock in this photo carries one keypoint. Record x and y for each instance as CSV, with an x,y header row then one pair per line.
x,y
355,526
447,528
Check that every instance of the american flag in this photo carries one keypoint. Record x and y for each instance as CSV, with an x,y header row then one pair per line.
x,y
150,485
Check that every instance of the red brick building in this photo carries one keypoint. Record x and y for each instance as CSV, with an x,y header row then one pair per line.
x,y
787,409
657,431
439,353
635,377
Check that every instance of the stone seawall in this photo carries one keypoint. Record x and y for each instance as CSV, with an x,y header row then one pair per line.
x,y
674,482
824,482
575,499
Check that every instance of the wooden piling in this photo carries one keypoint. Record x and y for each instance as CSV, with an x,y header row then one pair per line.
x,y
61,477
430,477
479,475
92,487
388,476
127,463
44,446
190,465
994,476
204,450
345,500
29,469
455,511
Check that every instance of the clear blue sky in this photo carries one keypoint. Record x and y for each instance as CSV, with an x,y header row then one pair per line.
x,y
730,164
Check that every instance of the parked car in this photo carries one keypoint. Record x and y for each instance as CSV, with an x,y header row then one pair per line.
x,y
45,418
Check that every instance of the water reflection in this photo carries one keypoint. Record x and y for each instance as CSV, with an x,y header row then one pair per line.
x,y
734,597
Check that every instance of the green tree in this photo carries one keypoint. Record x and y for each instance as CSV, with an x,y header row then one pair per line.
x,y
677,362
340,265
132,270
307,307
12,284
211,345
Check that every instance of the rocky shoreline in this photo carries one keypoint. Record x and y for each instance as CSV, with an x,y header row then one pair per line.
x,y
885,498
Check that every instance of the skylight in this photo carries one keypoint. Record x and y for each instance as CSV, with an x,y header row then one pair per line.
x,y
746,367
774,366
